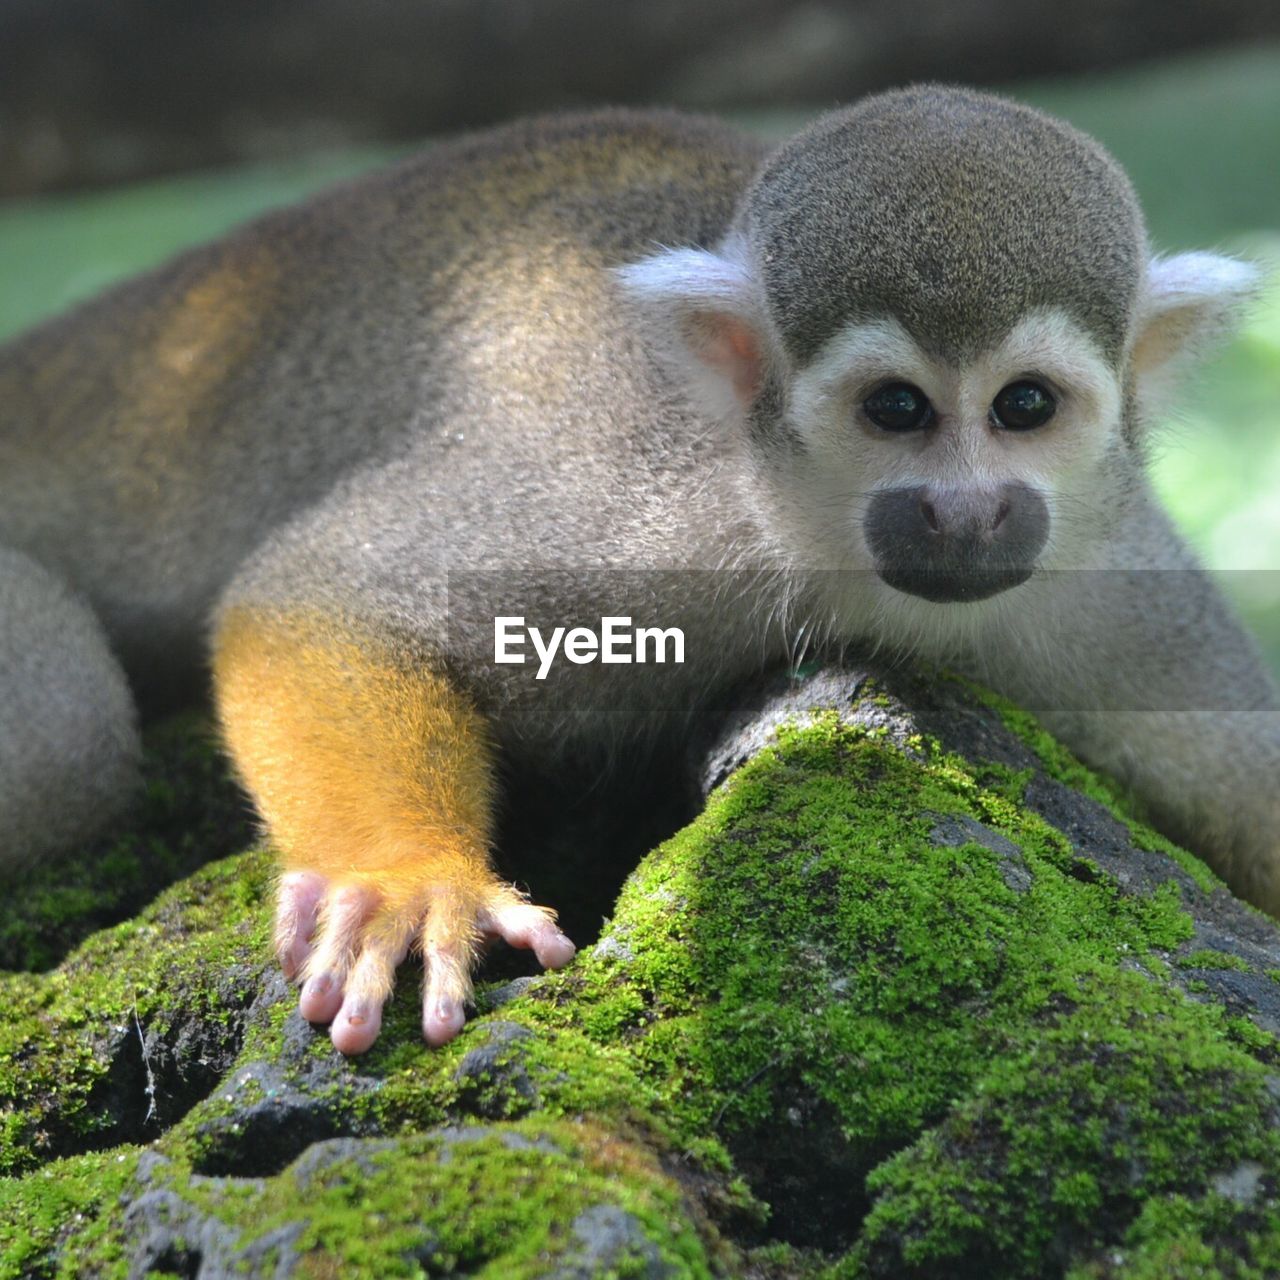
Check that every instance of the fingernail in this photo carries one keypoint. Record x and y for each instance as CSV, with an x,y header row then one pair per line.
x,y
319,985
560,950
358,1016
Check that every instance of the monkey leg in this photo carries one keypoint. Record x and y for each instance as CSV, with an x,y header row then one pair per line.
x,y
69,744
374,776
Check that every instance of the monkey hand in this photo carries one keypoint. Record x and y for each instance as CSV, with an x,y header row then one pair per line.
x,y
345,938
374,774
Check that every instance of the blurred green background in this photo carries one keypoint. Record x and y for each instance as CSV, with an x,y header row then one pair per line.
x,y
1200,136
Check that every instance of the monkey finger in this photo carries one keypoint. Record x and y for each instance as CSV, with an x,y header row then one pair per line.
x,y
356,1025
532,928
343,915
297,905
446,991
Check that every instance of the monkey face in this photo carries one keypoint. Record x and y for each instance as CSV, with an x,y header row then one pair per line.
x,y
932,322
953,477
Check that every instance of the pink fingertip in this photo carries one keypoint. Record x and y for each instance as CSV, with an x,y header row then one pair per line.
x,y
355,1030
553,949
442,1021
321,998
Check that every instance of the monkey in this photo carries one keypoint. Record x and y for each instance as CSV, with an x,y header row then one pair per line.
x,y
888,382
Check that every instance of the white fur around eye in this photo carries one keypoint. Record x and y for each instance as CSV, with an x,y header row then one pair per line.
x,y
1050,343
1060,456
828,389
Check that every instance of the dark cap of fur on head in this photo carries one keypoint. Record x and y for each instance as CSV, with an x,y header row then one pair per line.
x,y
954,212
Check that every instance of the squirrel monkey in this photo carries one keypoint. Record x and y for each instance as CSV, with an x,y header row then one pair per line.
x,y
887,382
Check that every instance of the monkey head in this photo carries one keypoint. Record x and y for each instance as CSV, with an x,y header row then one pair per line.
x,y
934,326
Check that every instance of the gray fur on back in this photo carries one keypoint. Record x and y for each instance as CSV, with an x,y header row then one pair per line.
x,y
69,748
458,305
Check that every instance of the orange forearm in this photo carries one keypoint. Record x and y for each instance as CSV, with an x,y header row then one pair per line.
x,y
366,765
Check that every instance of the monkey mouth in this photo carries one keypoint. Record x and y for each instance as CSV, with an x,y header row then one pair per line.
x,y
954,586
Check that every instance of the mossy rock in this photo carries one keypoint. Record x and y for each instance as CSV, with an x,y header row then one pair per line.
x,y
914,996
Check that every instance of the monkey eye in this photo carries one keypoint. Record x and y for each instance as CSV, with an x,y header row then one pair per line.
x,y
898,406
1023,405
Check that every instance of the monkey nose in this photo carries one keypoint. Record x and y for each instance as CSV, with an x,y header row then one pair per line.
x,y
956,544
965,513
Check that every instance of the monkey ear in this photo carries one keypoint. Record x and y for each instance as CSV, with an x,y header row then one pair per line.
x,y
704,312
1191,302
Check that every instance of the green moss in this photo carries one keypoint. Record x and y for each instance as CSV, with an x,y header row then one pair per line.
x,y
1059,763
1206,959
485,1202
1131,1094
40,1211
1252,1038
838,936
1181,1237
492,1210
71,1041
562,1073
985,1029
806,936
